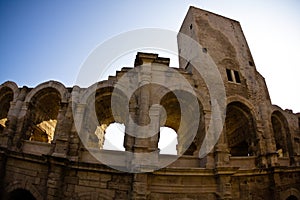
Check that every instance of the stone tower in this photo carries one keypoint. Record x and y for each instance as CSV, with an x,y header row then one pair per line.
x,y
247,125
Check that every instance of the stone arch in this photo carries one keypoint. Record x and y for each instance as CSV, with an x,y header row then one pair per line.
x,y
91,90
13,86
43,108
99,113
6,97
281,134
161,91
230,63
188,142
246,102
240,129
24,186
290,194
59,87
20,194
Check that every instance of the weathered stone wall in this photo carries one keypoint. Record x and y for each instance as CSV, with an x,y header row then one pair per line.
x,y
255,158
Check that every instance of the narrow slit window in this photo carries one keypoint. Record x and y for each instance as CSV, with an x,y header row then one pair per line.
x,y
237,77
229,76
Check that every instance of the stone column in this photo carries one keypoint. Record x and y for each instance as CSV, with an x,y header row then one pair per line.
x,y
141,144
222,154
223,177
55,181
62,129
267,155
208,161
79,110
22,127
13,118
139,187
154,114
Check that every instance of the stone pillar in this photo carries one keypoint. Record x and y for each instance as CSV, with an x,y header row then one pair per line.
x,y
267,156
223,177
62,129
139,187
22,127
154,114
12,119
141,143
79,110
222,153
55,181
74,143
208,161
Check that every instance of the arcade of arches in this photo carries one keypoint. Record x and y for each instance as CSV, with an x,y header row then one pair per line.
x,y
45,116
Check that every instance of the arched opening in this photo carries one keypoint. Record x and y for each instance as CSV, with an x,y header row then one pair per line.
x,y
20,194
106,129
292,197
240,130
6,96
114,137
184,114
44,108
167,141
281,134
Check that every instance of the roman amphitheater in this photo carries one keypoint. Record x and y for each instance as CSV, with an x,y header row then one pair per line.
x,y
232,143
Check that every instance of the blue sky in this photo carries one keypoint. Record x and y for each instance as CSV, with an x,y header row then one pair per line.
x,y
49,40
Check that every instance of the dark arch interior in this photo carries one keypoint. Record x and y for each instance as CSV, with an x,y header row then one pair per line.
x,y
100,114
20,194
292,197
173,113
281,134
240,130
280,140
44,108
6,96
190,131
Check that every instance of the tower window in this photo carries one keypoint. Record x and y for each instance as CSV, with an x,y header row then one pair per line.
x,y
233,76
229,75
237,76
191,26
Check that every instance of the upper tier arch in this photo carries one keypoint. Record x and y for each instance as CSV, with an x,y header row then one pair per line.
x,y
49,84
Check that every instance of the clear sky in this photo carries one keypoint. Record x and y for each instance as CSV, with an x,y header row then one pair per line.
x,y
49,40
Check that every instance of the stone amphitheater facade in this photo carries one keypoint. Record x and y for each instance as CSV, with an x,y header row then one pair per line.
x,y
43,155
